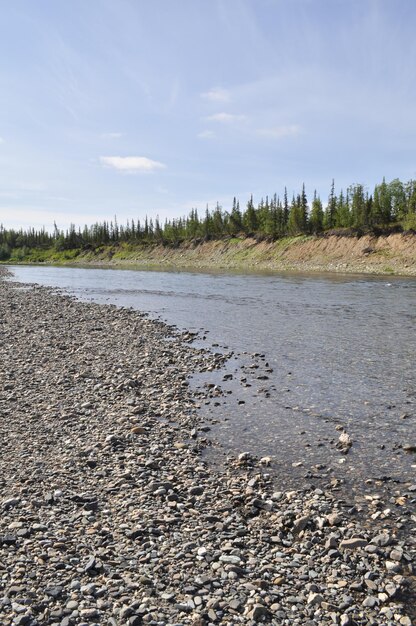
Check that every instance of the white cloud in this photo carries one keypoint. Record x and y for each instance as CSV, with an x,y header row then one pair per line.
x,y
206,134
279,132
1,140
131,164
226,118
216,95
111,135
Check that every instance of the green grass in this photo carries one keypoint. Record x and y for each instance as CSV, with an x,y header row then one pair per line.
x,y
234,241
39,255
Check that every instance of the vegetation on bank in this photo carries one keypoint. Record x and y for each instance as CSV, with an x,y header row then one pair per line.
x,y
391,206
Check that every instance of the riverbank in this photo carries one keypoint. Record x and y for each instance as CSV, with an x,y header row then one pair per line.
x,y
109,514
393,254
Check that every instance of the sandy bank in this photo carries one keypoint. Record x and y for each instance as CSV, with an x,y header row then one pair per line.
x,y
392,254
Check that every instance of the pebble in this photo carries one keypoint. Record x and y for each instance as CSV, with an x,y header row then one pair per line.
x,y
353,543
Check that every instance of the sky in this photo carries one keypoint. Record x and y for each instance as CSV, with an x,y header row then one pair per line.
x,y
135,107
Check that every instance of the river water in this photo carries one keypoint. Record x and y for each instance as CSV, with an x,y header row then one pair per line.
x,y
311,354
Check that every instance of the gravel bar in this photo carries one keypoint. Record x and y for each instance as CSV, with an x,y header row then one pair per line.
x,y
109,515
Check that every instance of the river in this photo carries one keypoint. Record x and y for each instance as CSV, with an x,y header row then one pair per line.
x,y
311,354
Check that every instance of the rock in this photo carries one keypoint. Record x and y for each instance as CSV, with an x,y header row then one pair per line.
x,y
300,523
196,490
334,519
90,564
10,503
353,543
391,589
54,592
235,605
383,539
331,542
229,558
8,539
138,430
344,442
89,614
315,599
257,612
396,554
371,584
392,566
212,615
265,460
72,605
23,620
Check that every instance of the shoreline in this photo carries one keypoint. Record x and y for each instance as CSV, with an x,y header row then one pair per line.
x,y
110,513
384,255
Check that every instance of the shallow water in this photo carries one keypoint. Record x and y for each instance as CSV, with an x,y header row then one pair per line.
x,y
342,350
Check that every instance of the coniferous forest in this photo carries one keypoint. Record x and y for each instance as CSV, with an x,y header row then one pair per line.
x,y
353,211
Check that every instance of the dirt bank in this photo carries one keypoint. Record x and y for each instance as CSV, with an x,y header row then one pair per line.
x,y
390,254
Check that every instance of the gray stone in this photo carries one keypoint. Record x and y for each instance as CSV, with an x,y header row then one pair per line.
x,y
353,543
383,539
258,611
10,503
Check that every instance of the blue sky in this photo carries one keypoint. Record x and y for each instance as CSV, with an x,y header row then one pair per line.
x,y
135,107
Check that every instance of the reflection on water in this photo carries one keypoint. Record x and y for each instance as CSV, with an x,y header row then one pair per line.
x,y
338,351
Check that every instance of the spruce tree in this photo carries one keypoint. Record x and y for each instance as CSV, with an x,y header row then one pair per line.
x,y
398,200
331,208
359,215
316,220
250,218
304,210
236,220
342,217
286,211
296,216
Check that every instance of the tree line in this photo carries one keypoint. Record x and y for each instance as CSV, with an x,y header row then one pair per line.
x,y
392,203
